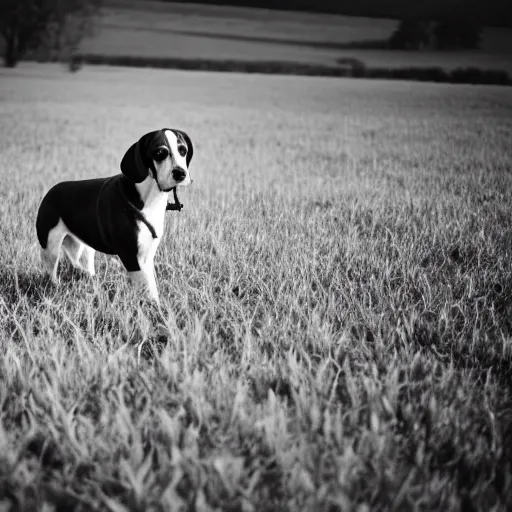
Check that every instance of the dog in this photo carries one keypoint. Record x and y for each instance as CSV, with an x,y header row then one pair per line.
x,y
122,215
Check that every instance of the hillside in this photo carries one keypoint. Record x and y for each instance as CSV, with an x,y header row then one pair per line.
x,y
196,31
490,12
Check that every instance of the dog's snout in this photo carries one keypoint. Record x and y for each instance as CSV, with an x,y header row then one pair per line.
x,y
179,174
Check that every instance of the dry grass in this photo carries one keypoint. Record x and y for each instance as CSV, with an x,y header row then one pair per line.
x,y
336,295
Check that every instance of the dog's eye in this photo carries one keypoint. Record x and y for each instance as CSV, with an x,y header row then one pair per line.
x,y
160,154
182,150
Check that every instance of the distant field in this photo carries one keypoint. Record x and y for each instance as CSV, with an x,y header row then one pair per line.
x,y
337,299
162,29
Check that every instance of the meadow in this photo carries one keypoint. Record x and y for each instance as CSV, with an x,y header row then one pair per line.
x,y
336,299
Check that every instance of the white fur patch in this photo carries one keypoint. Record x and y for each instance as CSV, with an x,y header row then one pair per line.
x,y
178,160
165,167
155,203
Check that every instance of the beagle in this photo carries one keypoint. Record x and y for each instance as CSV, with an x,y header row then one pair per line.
x,y
123,214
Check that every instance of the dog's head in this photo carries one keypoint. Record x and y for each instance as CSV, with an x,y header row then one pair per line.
x,y
165,153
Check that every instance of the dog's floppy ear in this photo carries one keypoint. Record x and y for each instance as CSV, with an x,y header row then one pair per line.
x,y
135,164
190,146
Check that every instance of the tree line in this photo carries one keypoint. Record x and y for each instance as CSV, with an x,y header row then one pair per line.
x,y
53,26
485,12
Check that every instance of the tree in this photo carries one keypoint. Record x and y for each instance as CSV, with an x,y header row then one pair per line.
x,y
454,36
411,34
53,25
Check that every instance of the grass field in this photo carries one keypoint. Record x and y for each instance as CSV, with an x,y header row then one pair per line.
x,y
195,31
337,299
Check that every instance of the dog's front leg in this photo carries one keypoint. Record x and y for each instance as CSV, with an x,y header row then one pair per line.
x,y
89,253
145,278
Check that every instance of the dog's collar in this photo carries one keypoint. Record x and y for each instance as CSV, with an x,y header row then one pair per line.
x,y
176,205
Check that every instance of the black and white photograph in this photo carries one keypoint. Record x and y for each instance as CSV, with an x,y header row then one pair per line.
x,y
255,256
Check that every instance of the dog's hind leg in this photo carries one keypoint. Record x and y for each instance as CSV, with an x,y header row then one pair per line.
x,y
73,249
50,254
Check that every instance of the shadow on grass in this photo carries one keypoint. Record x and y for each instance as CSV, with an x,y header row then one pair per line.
x,y
33,284
369,44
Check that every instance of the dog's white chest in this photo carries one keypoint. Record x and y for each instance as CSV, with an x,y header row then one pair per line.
x,y
155,215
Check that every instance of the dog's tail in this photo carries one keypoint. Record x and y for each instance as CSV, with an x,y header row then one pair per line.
x,y
47,218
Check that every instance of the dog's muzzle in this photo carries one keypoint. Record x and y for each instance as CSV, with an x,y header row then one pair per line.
x,y
179,174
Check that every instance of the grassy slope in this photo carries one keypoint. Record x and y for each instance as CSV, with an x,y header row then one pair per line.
x,y
336,295
160,29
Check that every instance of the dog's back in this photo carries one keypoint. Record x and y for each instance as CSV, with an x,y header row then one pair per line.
x,y
75,203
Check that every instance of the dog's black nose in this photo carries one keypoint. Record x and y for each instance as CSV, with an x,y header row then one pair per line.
x,y
179,174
